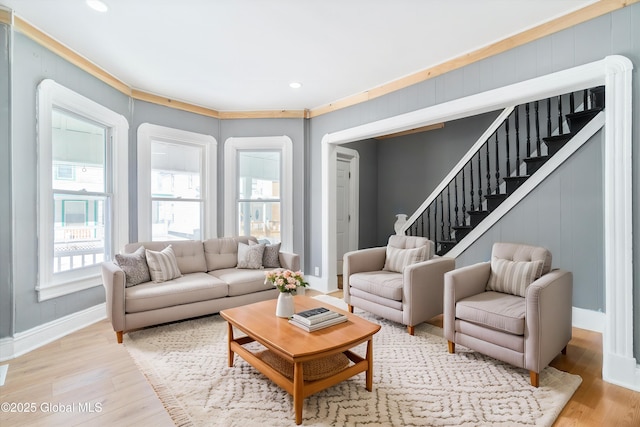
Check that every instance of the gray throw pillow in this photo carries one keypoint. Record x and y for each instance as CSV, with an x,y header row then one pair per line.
x,y
135,267
250,256
271,255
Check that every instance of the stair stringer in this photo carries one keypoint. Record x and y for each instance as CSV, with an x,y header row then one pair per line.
x,y
531,183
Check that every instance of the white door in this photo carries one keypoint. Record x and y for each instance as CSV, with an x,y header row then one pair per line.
x,y
342,210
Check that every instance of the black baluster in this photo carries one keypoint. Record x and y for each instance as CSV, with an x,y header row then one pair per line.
x,y
449,211
506,133
560,131
548,118
497,164
572,103
488,170
422,223
442,216
537,111
585,100
455,182
471,193
517,118
464,198
428,222
526,109
479,180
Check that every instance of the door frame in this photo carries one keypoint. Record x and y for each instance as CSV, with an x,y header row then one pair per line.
x,y
353,157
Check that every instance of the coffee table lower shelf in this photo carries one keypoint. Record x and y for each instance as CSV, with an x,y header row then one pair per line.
x,y
298,387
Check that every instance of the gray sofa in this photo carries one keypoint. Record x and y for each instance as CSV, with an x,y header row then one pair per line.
x,y
210,282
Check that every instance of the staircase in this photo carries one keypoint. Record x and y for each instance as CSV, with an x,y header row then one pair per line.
x,y
513,152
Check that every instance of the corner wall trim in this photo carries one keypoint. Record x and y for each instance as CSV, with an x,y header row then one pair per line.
x,y
24,342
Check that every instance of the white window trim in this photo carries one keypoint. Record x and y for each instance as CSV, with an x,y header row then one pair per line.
x,y
231,148
147,133
50,95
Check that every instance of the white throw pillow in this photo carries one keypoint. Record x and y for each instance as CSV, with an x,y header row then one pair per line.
x,y
397,259
250,256
163,265
513,277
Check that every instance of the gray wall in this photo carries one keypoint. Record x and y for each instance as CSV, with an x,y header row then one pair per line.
x,y
614,33
6,312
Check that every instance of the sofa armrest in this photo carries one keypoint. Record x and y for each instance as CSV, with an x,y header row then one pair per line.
x,y
289,260
423,288
459,284
113,280
549,316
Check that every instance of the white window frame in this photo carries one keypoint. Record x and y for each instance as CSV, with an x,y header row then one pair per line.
x,y
231,148
148,132
49,95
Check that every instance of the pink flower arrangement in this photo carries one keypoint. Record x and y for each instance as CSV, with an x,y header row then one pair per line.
x,y
286,280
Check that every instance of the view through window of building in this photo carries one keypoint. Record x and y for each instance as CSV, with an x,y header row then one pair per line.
x,y
176,174
81,191
258,198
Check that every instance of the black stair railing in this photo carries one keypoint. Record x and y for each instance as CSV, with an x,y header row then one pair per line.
x,y
493,172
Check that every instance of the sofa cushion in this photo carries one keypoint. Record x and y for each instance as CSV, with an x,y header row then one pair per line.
x,y
189,288
513,277
222,252
242,281
385,284
162,265
135,267
250,256
397,259
496,310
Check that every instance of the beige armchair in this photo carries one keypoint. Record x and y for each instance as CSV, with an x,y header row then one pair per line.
x,y
401,282
513,308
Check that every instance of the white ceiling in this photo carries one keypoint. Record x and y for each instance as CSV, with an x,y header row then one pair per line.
x,y
241,55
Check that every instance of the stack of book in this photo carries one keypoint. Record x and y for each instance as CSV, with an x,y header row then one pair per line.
x,y
316,318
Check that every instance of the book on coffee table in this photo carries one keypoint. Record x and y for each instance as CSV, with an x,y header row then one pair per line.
x,y
315,315
320,325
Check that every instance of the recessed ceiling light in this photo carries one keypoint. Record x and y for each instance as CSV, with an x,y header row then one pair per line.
x,y
295,85
97,5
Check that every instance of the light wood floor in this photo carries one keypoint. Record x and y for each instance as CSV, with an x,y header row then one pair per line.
x,y
89,368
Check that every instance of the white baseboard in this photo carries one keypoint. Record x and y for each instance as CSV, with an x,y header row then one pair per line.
x,y
588,319
24,342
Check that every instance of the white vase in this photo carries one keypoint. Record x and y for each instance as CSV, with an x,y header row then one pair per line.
x,y
400,221
284,306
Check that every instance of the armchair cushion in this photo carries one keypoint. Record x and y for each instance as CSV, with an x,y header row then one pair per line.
x,y
385,284
513,277
494,310
397,259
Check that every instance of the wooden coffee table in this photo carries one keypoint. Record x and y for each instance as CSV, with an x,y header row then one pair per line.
x,y
259,322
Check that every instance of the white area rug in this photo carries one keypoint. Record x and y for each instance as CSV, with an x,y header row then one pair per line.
x,y
416,383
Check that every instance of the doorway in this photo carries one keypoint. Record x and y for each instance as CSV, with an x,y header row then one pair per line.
x,y
347,201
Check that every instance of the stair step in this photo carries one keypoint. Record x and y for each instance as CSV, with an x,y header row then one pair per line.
x,y
556,142
513,182
598,96
534,163
461,231
445,246
494,200
578,120
476,217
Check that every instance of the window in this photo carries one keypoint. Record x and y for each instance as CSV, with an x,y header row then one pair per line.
x,y
176,184
81,220
258,188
